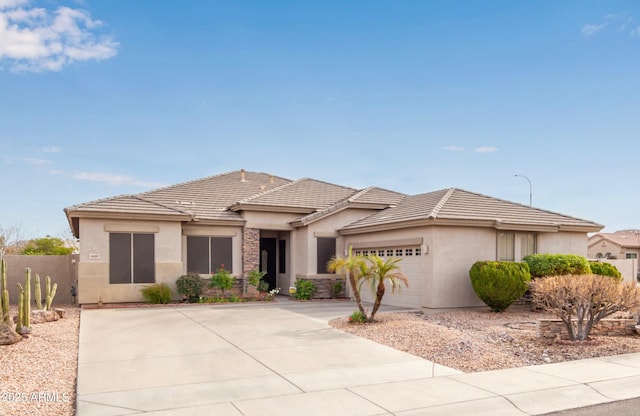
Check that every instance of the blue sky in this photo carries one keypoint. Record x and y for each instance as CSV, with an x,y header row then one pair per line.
x,y
110,97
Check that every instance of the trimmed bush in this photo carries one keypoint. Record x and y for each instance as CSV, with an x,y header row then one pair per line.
x,y
605,269
305,289
556,264
157,293
499,283
190,285
222,280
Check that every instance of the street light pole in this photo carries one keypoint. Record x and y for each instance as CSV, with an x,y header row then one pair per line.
x,y
530,193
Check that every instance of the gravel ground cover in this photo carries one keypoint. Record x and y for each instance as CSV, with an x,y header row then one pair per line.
x,y
472,341
38,374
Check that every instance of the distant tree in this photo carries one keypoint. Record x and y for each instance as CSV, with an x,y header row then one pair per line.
x,y
10,239
46,246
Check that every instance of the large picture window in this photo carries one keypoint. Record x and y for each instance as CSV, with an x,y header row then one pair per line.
x,y
326,250
131,258
205,255
514,246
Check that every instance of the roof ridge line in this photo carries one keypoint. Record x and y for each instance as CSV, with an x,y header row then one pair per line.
x,y
268,191
436,210
163,205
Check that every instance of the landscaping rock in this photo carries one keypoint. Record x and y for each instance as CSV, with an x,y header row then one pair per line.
x,y
41,316
8,335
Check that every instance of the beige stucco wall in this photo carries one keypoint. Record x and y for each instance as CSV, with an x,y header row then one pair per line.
x,y
93,266
602,246
562,243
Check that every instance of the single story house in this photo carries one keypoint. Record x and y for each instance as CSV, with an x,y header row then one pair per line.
x,y
624,244
291,228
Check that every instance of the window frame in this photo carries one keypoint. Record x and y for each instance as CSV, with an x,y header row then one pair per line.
x,y
218,252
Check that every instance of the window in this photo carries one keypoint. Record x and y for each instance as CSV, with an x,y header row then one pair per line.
x,y
631,256
599,256
326,250
511,244
205,255
131,258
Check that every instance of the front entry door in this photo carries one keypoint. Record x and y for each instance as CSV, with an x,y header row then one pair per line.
x,y
268,260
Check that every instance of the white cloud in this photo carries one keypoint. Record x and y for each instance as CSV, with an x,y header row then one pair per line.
x,y
453,148
50,149
619,22
485,149
36,40
591,29
34,161
112,179
8,4
635,31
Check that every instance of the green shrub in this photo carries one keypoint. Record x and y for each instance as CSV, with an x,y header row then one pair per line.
x,y
157,293
336,288
222,280
556,264
190,285
605,269
358,318
305,289
499,284
255,279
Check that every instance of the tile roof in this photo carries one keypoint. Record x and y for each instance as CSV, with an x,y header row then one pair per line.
x,y
207,198
306,195
459,205
623,238
372,197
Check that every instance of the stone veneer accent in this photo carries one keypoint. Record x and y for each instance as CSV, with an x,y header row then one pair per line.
x,y
551,328
324,286
250,250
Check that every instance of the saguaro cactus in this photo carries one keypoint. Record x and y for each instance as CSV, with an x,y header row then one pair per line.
x,y
50,293
4,293
20,322
37,293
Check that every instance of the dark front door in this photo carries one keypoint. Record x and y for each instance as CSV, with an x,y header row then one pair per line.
x,y
268,260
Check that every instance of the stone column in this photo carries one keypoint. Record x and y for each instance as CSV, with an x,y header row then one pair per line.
x,y
250,250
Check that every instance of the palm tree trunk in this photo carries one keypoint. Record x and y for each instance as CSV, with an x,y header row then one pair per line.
x,y
356,293
379,295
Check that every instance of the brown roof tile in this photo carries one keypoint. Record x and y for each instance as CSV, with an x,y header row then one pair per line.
x,y
456,204
623,238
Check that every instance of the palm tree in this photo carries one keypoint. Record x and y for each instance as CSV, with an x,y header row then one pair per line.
x,y
355,268
378,272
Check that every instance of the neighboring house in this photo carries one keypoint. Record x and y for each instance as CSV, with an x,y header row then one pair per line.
x,y
290,229
624,244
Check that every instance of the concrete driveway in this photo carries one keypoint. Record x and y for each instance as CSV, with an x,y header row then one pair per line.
x,y
284,359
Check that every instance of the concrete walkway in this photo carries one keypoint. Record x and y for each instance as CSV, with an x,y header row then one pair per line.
x,y
284,359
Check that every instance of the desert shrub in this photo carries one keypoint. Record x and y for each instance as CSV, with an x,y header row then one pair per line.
x,y
581,301
336,288
157,293
255,279
305,289
556,264
222,280
605,269
190,285
499,284
358,318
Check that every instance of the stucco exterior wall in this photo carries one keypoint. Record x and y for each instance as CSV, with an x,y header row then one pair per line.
x,y
454,251
562,243
93,266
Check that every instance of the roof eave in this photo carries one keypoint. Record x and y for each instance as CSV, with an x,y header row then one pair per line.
x,y
127,215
